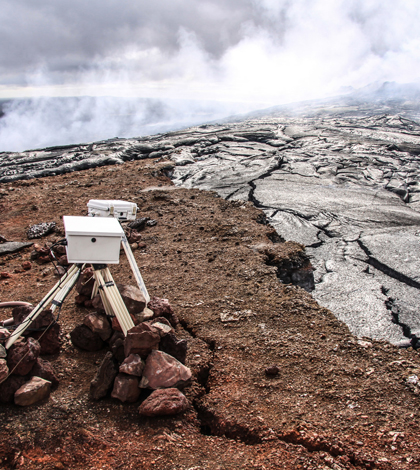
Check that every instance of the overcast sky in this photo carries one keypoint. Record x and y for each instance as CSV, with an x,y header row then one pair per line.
x,y
269,51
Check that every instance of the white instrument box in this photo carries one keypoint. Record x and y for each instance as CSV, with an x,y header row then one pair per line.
x,y
121,210
94,240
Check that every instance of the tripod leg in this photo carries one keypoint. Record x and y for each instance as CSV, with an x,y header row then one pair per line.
x,y
117,299
135,269
64,291
114,298
75,269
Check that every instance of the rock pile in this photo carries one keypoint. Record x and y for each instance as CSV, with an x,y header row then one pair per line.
x,y
26,378
150,356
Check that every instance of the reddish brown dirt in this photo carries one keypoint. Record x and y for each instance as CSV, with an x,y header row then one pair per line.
x,y
336,403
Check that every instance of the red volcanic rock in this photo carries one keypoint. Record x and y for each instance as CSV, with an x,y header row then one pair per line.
x,y
175,347
4,335
141,340
44,369
133,298
162,308
126,388
31,392
84,338
132,365
8,388
116,324
164,371
4,370
99,324
42,321
166,402
49,340
104,378
22,356
26,265
85,283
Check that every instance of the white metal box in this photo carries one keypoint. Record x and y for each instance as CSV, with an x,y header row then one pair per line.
x,y
94,240
122,210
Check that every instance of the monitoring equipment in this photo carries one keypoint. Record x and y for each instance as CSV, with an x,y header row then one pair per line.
x,y
121,210
96,240
93,240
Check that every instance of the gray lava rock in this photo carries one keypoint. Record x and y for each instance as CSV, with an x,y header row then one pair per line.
x,y
41,230
13,247
341,179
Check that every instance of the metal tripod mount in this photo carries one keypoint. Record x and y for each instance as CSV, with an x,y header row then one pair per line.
x,y
55,296
110,296
104,284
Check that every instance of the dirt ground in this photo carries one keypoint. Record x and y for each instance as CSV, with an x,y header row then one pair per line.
x,y
338,402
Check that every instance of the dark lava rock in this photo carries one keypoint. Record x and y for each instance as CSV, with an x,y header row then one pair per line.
x,y
44,369
84,338
272,371
175,347
49,340
22,356
138,224
126,388
9,387
104,377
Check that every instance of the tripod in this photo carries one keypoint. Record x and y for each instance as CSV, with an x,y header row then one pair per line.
x,y
56,296
104,283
